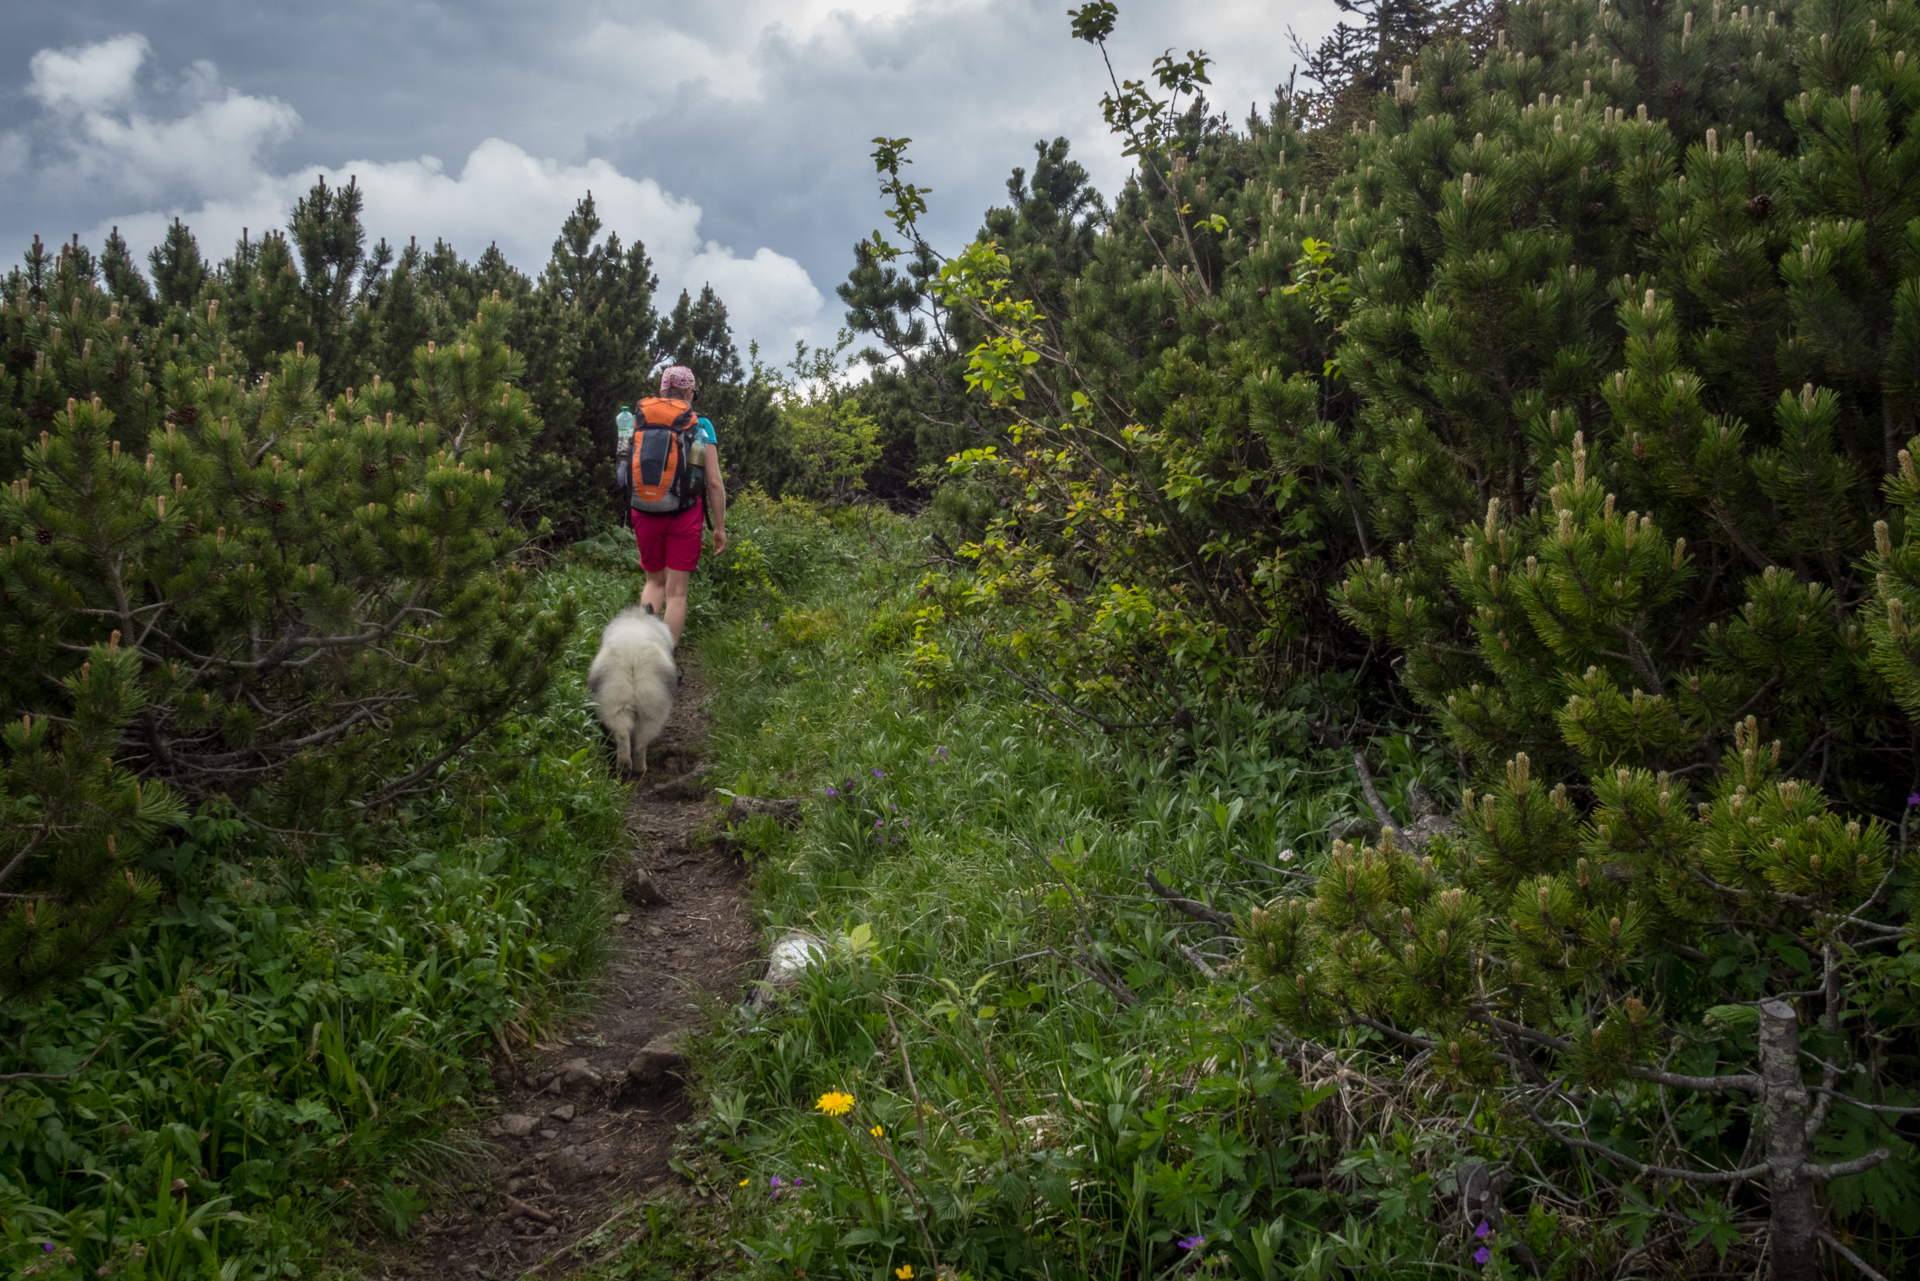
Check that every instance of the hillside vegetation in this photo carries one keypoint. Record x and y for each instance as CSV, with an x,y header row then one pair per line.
x,y
1353,699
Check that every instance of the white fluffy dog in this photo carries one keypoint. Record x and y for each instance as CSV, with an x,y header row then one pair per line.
x,y
633,681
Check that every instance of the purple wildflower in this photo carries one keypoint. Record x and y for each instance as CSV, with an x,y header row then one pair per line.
x,y
833,791
1484,1230
1913,798
47,1246
877,822
1482,1255
878,772
1191,1243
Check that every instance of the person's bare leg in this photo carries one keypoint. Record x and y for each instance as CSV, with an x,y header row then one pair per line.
x,y
676,590
655,592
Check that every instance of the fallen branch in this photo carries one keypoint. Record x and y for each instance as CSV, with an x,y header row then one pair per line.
x,y
1199,961
1380,810
516,1208
1121,992
1192,907
61,1076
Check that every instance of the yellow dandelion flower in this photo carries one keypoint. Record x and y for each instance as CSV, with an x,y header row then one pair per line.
x,y
835,1103
904,1272
878,1131
743,1183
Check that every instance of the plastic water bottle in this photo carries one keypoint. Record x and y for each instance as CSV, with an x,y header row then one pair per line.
x,y
623,424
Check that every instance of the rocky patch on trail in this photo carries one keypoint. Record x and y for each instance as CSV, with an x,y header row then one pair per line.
x,y
586,1122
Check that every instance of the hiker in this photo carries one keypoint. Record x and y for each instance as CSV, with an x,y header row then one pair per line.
x,y
670,474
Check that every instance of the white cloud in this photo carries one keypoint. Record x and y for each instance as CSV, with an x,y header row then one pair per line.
x,y
206,166
504,196
90,77
98,136
770,286
208,152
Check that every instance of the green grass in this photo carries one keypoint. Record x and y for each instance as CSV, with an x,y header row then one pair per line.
x,y
1059,1090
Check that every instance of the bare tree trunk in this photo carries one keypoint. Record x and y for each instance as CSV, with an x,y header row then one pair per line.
x,y
1793,1242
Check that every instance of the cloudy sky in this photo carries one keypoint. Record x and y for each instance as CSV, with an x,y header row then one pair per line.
x,y
730,136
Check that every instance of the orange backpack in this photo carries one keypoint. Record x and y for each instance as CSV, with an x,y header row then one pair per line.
x,y
662,476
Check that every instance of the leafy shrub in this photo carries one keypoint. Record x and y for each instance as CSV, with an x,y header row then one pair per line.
x,y
802,627
888,629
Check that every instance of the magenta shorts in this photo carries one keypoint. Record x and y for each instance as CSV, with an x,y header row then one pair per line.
x,y
668,542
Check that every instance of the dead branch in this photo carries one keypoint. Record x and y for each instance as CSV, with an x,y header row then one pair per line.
x,y
516,1208
61,1076
1380,810
1192,907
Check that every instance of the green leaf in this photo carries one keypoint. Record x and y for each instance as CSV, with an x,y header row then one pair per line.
x,y
1731,1017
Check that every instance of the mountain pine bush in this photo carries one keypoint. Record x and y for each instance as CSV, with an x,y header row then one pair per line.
x,y
1626,340
228,585
1576,378
263,523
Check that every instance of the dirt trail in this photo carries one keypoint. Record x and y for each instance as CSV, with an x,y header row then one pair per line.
x,y
578,1136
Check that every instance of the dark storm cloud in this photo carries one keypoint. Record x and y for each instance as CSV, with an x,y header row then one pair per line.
x,y
757,112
